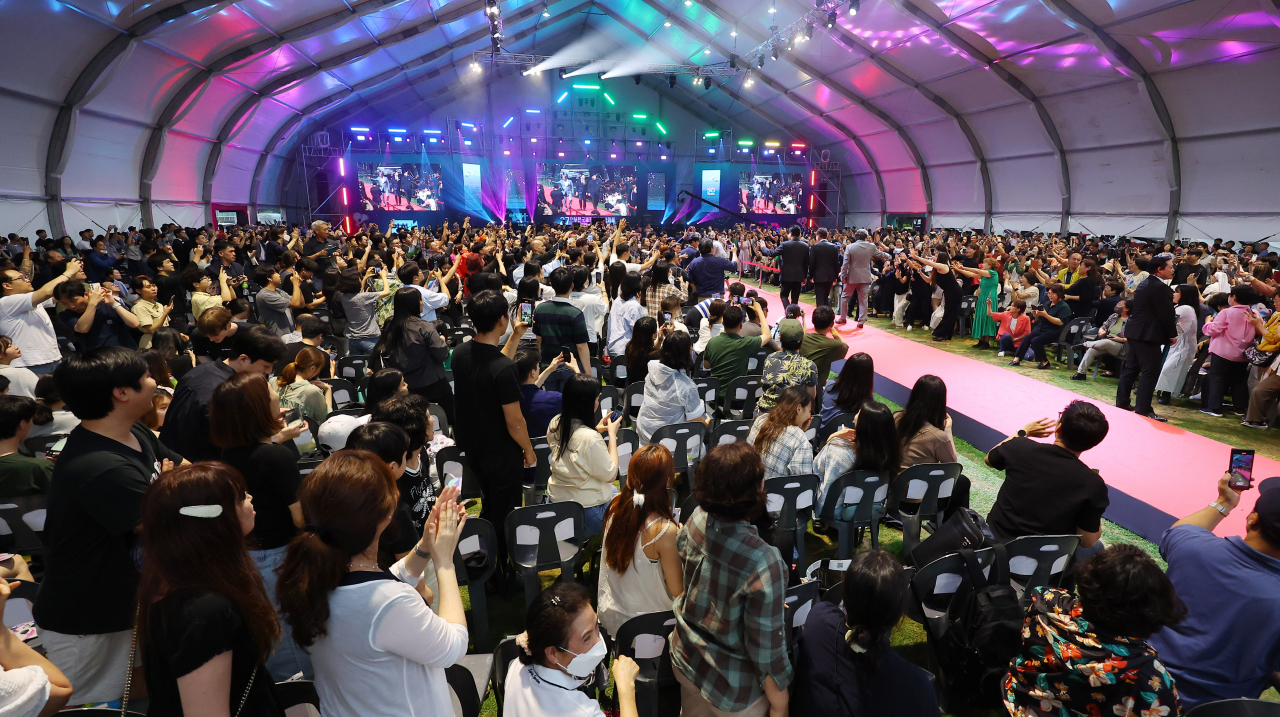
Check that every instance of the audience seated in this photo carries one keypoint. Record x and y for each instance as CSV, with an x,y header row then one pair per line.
x,y
300,388
52,418
1229,645
854,386
376,646
871,445
1012,325
727,355
583,464
1110,341
1047,489
22,380
559,652
846,667
670,396
20,475
924,427
645,346
640,571
786,368
245,423
1263,396
778,436
207,625
1089,655
728,648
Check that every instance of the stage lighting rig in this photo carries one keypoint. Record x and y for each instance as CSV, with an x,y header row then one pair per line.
x,y
801,30
671,81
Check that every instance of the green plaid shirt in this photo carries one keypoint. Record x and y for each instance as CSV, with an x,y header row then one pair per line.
x,y
729,631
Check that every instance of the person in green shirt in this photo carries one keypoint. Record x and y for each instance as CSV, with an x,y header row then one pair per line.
x,y
823,346
19,475
726,355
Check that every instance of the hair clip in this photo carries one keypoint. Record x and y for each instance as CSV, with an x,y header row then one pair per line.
x,y
555,599
201,511
637,499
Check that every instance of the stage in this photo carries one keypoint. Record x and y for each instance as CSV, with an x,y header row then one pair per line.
x,y
1156,473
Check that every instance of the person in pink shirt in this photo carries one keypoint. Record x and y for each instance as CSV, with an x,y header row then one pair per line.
x,y
1233,330
1014,324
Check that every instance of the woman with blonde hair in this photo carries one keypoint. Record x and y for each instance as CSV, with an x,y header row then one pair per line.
x,y
778,436
641,571
300,389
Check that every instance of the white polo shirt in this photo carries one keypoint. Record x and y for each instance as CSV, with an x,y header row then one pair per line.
x,y
30,328
537,691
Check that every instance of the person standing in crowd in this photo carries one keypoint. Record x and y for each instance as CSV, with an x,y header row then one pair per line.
x,y
856,275
1186,299
491,428
151,315
711,325
199,283
538,405
1267,389
641,570
275,306
561,328
1090,654
846,667
22,381
360,308
378,648
728,354
1229,645
823,346
86,608
1152,326
310,332
1233,330
787,368
583,465
245,423
944,279
824,267
24,320
624,312
795,266
706,272
728,649
186,425
205,620
96,317
1034,470
417,348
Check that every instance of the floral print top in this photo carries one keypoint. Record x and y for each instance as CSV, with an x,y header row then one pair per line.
x,y
1068,666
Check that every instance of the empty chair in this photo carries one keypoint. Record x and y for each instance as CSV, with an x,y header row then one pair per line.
x,y
459,336
628,443
618,372
926,483
451,462
738,399
474,562
647,640
799,600
352,368
856,501
1072,334
344,391
1039,560
480,667
940,582
730,431
544,537
23,524
755,364
708,389
610,398
632,397
684,440
792,499
597,368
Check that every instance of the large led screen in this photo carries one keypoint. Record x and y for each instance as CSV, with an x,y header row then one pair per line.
x,y
400,187
770,192
657,197
586,190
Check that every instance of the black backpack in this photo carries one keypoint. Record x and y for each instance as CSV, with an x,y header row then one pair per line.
x,y
964,529
983,633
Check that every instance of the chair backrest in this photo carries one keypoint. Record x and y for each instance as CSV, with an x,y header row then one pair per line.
x,y
307,465
731,431
812,431
542,469
441,418
357,412
463,687
708,389
792,497
597,368
460,335
21,518
1034,560
503,655
841,420
1074,330
628,444
448,376
926,482
18,611
634,395
799,600
100,712
968,303
857,497
451,462
829,573
755,364
1242,707
545,536
344,391
618,369
744,389
937,584
298,697
610,398
647,640
684,440
686,509
476,557
352,368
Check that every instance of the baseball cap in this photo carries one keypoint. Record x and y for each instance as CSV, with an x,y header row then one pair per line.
x,y
1268,504
790,331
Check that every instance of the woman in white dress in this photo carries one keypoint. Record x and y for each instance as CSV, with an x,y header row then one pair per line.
x,y
1186,299
641,567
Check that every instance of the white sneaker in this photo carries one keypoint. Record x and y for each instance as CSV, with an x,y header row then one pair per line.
x,y
908,328
1194,398
999,353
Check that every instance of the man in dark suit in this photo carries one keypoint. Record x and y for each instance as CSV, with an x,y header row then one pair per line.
x,y
824,259
1152,326
795,266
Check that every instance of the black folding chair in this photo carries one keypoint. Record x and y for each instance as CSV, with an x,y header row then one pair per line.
x,y
744,390
441,418
1039,560
840,421
344,392
544,537
451,462
685,441
647,640
730,431
792,497
1242,707
474,561
855,501
926,482
22,516
352,368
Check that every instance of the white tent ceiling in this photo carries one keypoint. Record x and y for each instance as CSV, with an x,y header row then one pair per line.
x,y
1108,116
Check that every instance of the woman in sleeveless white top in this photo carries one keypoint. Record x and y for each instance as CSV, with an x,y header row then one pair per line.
x,y
641,589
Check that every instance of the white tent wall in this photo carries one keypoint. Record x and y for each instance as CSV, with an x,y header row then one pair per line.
x,y
188,215
105,159
22,144
100,215
862,220
23,216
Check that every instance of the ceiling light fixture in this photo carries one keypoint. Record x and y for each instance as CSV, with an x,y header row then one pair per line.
x,y
853,6
831,19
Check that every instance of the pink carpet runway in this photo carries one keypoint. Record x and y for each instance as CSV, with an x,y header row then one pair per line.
x,y
1155,472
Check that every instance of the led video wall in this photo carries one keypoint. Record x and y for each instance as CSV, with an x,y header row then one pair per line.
x,y
770,192
395,186
570,189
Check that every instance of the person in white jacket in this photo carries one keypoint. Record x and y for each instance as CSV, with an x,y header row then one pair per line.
x,y
670,396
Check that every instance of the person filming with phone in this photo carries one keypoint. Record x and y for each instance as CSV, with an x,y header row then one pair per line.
x,y
1229,645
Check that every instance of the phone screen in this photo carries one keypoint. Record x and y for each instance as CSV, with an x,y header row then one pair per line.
x,y
666,318
617,413
526,313
1241,468
292,415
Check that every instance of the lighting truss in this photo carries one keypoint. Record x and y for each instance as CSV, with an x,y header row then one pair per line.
x,y
784,36
604,66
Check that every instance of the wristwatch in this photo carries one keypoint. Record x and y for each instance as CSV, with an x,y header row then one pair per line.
x,y
1220,508
1022,433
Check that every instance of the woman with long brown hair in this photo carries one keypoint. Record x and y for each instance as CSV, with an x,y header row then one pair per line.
x,y
641,571
205,623
376,645
778,436
300,388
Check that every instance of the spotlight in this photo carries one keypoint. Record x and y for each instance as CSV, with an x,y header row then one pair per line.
x,y
671,81
774,52
733,61
733,33
600,76
760,61
853,6
831,19
706,51
807,32
772,9
706,83
637,79
666,23
561,73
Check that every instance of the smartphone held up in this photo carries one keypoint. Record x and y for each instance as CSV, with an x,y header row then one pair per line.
x,y
1241,469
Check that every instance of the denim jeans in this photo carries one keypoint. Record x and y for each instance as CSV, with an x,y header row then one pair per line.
x,y
44,368
594,522
558,378
361,347
288,659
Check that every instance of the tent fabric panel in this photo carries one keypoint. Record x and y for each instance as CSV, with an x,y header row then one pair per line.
x,y
889,151
24,216
957,188
941,142
961,222
235,171
177,175
35,66
187,215
861,193
213,35
1025,184
23,145
1224,97
1231,174
1120,180
100,215
1114,114
211,108
975,90
143,84
106,156
1137,225
1241,229
1012,131
902,190
1029,222
1066,66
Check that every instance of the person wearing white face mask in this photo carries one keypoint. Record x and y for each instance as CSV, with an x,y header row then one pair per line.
x,y
560,653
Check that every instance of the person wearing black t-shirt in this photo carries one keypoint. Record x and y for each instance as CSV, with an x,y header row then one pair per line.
x,y
1047,489
311,329
419,486
391,444
490,426
86,606
205,625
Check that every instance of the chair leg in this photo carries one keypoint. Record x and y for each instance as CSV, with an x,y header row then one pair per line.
x,y
844,549
874,529
910,534
532,585
478,620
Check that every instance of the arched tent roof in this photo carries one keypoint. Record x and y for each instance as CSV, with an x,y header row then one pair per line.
x,y
1108,116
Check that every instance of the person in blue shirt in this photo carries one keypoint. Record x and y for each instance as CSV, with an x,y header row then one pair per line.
x,y
1229,644
706,273
99,262
538,406
96,317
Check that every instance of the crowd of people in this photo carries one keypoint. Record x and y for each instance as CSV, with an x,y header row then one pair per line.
x,y
219,519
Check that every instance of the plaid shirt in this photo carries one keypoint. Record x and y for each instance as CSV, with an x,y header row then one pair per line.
x,y
729,632
790,454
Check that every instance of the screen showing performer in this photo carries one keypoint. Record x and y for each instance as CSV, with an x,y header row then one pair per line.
x,y
586,190
400,187
770,192
657,191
